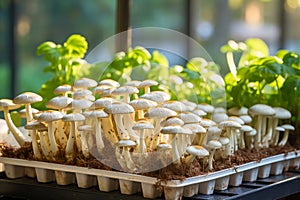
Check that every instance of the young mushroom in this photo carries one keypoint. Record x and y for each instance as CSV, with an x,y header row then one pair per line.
x,y
140,127
84,135
212,145
72,118
287,129
195,151
126,145
63,90
125,91
50,117
6,105
146,84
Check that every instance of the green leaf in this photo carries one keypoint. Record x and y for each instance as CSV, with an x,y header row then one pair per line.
x,y
159,58
76,46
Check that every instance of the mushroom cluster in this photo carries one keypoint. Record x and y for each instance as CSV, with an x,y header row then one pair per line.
x,y
90,117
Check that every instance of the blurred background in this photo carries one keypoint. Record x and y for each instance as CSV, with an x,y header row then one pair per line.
x,y
25,24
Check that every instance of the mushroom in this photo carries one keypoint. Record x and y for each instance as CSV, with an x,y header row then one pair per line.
x,y
209,109
225,142
59,103
177,106
199,132
140,105
172,131
287,129
121,113
280,114
162,148
125,91
72,118
219,117
126,145
64,90
157,96
195,151
230,127
158,114
213,133
212,145
84,83
261,111
238,111
278,129
6,105
27,98
244,129
109,82
35,126
84,94
141,126
98,115
190,106
79,105
146,84
249,137
49,117
84,136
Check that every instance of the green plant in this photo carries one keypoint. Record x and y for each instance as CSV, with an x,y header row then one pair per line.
x,y
65,63
262,78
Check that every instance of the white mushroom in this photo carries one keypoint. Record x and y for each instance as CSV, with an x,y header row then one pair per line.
x,y
195,151
140,127
126,144
212,145
287,129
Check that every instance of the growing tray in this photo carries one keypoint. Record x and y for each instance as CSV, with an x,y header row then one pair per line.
x,y
129,184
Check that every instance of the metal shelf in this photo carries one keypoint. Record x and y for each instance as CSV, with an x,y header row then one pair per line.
x,y
274,187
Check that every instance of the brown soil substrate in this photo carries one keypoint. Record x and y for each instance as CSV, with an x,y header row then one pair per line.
x,y
172,171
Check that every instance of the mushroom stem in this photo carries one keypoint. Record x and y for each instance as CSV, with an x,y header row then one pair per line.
x,y
60,135
230,147
242,140
275,133
29,116
210,159
99,141
128,124
189,159
52,141
109,130
122,132
175,153
142,145
45,145
257,138
268,135
120,159
129,162
84,144
36,151
70,144
18,135
284,138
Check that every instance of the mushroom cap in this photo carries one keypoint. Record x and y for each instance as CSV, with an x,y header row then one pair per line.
x,y
36,125
246,118
8,104
214,130
85,83
279,128
238,111
189,118
142,124
145,83
142,104
81,94
85,127
123,90
246,128
98,114
62,89
103,102
224,140
160,112
157,96
175,105
252,132
58,102
119,108
206,107
197,150
236,119
73,117
172,121
214,144
261,109
27,97
164,146
126,143
133,83
218,117
190,106
207,122
109,82
50,115
101,88
22,112
195,128
282,113
175,130
219,110
199,112
230,123
288,127
81,104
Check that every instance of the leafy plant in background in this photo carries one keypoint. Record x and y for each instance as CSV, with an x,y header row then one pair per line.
x,y
198,81
65,63
262,78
